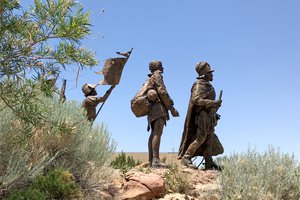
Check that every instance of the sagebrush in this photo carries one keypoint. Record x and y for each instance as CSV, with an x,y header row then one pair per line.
x,y
271,175
57,184
177,180
65,140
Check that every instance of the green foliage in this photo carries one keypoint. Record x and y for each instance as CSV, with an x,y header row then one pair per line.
x,y
23,100
58,184
8,21
66,139
37,44
30,193
124,163
37,131
260,176
177,180
42,40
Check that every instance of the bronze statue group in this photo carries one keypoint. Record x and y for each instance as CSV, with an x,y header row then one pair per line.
x,y
153,101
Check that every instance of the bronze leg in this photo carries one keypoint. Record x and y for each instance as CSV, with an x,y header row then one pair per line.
x,y
157,131
194,146
150,149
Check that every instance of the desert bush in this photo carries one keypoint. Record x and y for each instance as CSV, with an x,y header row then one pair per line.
x,y
124,163
57,184
96,178
65,139
30,193
261,176
74,139
176,180
35,46
37,131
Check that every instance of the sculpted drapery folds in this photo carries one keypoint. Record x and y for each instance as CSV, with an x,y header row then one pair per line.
x,y
163,102
199,138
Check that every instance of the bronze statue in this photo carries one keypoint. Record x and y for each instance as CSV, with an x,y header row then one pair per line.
x,y
160,104
199,138
91,100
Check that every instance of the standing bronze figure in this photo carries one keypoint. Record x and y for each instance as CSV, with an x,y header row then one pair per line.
x,y
199,138
160,104
92,100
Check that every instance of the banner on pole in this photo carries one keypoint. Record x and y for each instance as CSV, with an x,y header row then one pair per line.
x,y
112,71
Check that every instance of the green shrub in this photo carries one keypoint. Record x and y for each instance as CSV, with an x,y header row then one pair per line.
x,y
124,163
261,176
58,184
38,132
66,139
176,180
30,193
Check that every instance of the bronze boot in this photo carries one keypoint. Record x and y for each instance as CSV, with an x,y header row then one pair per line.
x,y
186,161
211,165
157,163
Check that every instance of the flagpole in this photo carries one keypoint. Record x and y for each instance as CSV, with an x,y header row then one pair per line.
x,y
102,104
111,86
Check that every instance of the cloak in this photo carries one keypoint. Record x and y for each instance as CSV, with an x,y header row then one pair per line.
x,y
189,135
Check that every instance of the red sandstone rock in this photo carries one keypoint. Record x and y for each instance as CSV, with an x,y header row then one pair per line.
x,y
143,186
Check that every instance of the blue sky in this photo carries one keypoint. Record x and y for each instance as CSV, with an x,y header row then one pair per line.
x,y
254,47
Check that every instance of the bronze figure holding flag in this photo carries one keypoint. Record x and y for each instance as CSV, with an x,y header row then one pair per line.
x,y
112,72
92,100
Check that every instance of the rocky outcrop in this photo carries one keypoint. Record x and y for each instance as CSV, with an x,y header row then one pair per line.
x,y
143,186
136,185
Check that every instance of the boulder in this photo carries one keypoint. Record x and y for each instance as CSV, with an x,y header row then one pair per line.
x,y
139,185
135,190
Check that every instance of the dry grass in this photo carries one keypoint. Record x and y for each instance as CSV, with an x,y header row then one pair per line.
x,y
169,157
66,141
261,176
